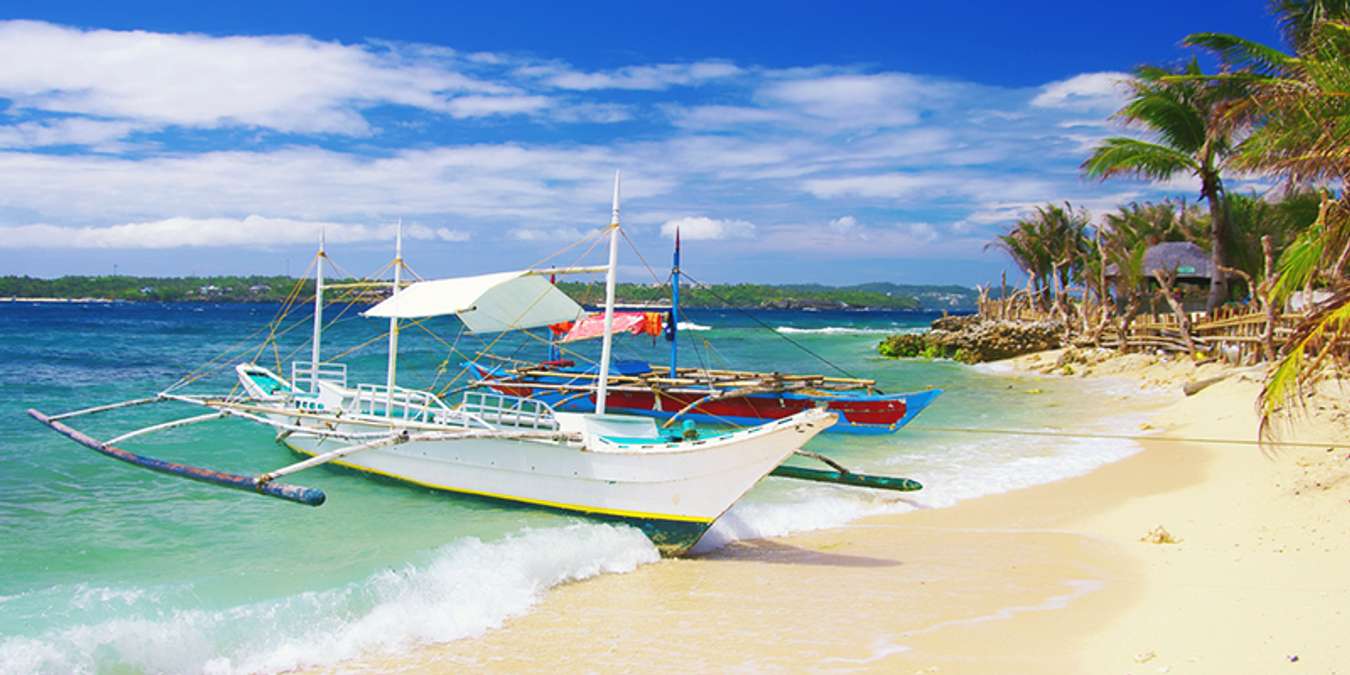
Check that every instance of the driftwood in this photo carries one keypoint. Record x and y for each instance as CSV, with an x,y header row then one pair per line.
x,y
1183,319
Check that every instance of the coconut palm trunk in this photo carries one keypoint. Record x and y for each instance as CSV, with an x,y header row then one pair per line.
x,y
1218,232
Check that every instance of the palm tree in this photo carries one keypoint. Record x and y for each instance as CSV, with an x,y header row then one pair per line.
x,y
1300,110
1298,18
1050,245
1194,136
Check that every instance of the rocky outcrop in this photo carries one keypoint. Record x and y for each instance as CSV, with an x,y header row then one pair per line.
x,y
971,340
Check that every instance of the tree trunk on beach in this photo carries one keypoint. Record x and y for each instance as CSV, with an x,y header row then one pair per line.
x,y
1218,230
1183,319
1267,302
1127,318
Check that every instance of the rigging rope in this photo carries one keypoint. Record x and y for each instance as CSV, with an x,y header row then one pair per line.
x,y
1128,437
754,318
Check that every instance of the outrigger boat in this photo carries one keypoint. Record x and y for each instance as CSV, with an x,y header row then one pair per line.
x,y
706,395
600,464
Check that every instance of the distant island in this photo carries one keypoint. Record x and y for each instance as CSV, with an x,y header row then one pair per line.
x,y
880,295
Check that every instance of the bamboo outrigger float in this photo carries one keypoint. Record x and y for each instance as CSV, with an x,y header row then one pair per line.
x,y
490,444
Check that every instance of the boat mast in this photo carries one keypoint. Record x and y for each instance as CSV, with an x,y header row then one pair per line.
x,y
393,321
318,314
675,306
553,339
603,385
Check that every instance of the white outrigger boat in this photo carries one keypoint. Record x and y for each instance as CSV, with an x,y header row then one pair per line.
x,y
612,467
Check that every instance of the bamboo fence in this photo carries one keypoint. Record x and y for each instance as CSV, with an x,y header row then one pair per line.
x,y
1232,333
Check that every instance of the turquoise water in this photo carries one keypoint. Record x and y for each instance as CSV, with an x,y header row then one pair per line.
x,y
111,568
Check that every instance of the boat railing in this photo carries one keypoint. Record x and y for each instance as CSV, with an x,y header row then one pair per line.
x,y
500,409
378,400
304,374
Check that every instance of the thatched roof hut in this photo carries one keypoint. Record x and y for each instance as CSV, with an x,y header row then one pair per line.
x,y
1190,262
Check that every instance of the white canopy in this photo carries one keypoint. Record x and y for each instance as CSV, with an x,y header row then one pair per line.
x,y
486,303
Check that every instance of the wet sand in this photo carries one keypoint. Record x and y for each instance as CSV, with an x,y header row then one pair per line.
x,y
1060,577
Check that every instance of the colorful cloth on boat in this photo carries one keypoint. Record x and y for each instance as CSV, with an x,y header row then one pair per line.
x,y
593,326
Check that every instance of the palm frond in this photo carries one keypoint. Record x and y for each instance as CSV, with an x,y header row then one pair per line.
x,y
1242,54
1166,112
1314,341
1120,155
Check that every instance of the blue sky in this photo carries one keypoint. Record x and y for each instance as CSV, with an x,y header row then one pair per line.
x,y
790,142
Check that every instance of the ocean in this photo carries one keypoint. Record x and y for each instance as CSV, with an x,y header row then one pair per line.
x,y
107,567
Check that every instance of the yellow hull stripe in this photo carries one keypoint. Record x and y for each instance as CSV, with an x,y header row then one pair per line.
x,y
511,498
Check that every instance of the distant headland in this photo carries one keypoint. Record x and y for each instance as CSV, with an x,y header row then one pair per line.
x,y
874,296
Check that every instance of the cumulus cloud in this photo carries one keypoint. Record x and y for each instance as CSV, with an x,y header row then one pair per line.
x,y
702,227
249,232
288,83
1100,92
791,152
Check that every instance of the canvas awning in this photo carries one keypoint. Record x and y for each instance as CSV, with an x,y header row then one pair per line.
x,y
486,303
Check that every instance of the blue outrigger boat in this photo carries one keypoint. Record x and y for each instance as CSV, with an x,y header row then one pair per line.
x,y
727,397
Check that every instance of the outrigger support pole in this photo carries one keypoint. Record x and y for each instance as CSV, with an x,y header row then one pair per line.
x,y
843,476
327,457
294,493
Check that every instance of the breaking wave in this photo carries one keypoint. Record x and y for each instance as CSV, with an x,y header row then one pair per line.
x,y
466,588
835,330
690,325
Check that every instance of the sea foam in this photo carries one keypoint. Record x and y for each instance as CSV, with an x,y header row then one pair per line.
x,y
953,468
834,330
464,589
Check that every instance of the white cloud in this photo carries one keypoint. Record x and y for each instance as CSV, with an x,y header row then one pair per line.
x,y
599,113
483,106
933,185
725,116
1096,92
922,232
652,77
546,234
890,185
68,131
942,161
881,100
289,83
844,224
250,232
483,184
702,227
441,233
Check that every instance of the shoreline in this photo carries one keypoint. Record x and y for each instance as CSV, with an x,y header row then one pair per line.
x,y
1051,578
620,305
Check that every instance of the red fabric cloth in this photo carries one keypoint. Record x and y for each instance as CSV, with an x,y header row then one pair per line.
x,y
593,326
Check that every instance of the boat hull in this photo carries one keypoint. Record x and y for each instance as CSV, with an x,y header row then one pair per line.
x,y
673,492
858,413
